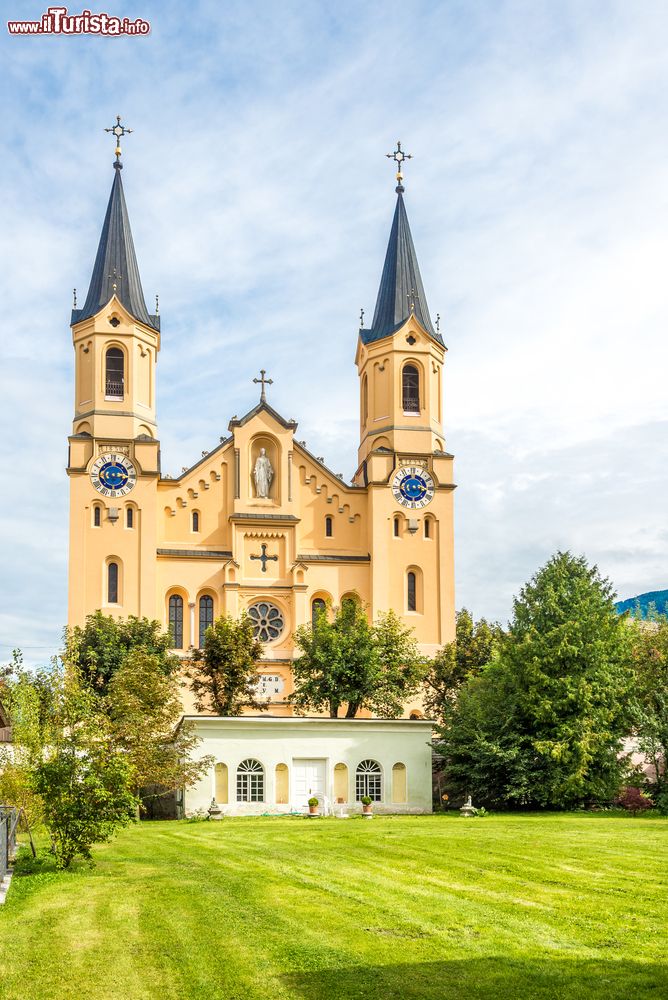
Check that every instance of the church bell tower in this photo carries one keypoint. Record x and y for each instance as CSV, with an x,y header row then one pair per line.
x,y
113,449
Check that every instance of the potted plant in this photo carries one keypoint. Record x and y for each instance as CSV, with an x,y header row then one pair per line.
x,y
367,806
313,806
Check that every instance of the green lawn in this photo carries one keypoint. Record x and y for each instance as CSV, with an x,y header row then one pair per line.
x,y
414,907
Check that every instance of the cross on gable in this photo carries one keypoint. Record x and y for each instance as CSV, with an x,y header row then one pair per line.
x,y
264,558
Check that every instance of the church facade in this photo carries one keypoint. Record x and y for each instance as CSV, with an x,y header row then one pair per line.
x,y
260,524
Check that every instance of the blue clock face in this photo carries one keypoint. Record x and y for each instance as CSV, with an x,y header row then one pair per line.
x,y
413,487
113,475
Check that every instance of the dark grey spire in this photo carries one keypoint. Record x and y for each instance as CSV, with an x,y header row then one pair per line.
x,y
401,291
116,270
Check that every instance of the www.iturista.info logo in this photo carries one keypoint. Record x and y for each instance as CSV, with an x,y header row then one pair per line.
x,y
56,21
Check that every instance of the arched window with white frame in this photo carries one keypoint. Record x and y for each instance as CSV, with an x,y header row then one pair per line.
x,y
250,781
114,374
176,620
369,781
205,616
410,389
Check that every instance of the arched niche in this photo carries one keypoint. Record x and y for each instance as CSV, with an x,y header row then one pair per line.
x,y
222,784
282,784
340,783
264,446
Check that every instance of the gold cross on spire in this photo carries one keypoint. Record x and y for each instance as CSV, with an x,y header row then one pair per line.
x,y
118,131
399,156
263,382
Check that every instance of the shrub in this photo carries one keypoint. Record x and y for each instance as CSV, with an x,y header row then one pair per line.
x,y
634,800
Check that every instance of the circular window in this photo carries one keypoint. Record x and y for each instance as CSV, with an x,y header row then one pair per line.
x,y
268,621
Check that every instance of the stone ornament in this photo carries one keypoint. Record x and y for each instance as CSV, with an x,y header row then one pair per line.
x,y
267,621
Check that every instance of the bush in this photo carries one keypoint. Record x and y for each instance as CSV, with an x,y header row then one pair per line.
x,y
634,800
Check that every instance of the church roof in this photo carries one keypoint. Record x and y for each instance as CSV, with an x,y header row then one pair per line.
x,y
401,290
116,270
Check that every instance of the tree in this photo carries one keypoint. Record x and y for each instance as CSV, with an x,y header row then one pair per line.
x,y
347,661
144,708
82,778
30,732
99,648
650,666
223,675
474,646
551,711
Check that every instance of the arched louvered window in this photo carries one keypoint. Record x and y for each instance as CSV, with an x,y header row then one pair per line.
x,y
129,518
114,374
250,781
410,389
411,591
97,515
112,583
369,781
318,607
195,520
329,526
205,616
176,620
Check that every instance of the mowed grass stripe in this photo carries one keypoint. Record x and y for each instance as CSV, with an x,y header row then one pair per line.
x,y
532,906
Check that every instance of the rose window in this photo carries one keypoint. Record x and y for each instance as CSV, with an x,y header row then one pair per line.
x,y
267,621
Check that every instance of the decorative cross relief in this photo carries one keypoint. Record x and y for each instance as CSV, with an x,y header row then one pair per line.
x,y
264,558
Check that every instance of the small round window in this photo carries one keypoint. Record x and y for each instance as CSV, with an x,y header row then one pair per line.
x,y
268,621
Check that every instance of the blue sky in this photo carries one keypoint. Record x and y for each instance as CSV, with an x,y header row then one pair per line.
x,y
261,202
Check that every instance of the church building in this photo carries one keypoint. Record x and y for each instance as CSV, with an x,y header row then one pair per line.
x,y
260,524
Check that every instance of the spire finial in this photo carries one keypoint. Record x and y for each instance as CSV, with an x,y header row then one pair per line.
x,y
118,131
399,156
263,382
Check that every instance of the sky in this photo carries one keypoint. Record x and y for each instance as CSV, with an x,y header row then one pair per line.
x,y
261,201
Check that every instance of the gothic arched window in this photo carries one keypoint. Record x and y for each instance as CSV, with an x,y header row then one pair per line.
x,y
369,781
112,583
97,515
329,526
397,526
410,389
411,591
250,781
205,617
129,518
195,520
318,607
176,620
114,374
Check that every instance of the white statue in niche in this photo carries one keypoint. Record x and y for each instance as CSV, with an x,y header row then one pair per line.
x,y
263,473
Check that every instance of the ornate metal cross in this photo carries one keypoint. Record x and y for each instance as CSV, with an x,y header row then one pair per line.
x,y
118,131
399,156
264,558
263,381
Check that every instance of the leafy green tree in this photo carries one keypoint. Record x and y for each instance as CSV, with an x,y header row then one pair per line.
x,y
551,711
99,648
223,675
30,732
650,666
474,646
144,708
83,779
347,661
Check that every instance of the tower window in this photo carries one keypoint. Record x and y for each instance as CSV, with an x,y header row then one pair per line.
x,y
329,526
112,583
318,607
397,527
205,617
427,527
129,518
411,592
114,375
97,516
176,620
365,399
195,520
410,388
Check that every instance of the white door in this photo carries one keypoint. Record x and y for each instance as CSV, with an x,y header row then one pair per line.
x,y
308,780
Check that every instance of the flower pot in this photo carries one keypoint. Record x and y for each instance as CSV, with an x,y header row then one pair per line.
x,y
313,810
367,811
